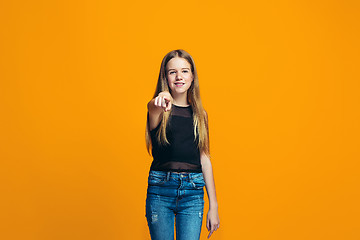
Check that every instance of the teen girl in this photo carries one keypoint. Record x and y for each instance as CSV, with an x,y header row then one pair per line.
x,y
177,133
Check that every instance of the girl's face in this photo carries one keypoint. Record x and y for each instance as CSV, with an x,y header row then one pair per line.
x,y
179,75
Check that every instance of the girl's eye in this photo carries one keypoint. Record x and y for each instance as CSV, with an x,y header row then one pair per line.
x,y
171,72
185,71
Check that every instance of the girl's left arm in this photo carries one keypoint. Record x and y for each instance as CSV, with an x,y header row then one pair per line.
x,y
212,219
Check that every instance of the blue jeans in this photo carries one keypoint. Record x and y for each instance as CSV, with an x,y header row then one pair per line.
x,y
175,199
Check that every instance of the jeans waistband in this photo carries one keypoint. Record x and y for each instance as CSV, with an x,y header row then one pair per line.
x,y
175,175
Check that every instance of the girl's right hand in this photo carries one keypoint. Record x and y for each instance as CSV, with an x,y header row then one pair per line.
x,y
164,101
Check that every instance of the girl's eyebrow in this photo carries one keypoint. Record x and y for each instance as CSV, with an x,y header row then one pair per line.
x,y
175,69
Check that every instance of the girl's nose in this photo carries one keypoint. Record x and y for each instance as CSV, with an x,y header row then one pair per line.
x,y
178,76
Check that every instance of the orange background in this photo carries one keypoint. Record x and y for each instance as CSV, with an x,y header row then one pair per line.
x,y
280,82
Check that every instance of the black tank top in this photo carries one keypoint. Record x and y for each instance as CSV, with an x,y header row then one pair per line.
x,y
182,154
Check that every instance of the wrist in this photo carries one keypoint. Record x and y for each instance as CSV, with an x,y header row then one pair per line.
x,y
213,206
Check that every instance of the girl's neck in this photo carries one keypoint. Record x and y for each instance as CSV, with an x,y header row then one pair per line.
x,y
180,100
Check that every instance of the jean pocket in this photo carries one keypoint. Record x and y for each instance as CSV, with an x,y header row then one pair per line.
x,y
156,180
198,183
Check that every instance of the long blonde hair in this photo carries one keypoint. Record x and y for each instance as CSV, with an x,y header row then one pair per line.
x,y
200,121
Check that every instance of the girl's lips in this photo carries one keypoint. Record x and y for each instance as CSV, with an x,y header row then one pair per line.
x,y
179,84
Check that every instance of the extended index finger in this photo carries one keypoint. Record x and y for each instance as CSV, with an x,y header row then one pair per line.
x,y
210,233
168,107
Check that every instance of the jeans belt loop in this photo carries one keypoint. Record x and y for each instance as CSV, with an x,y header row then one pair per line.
x,y
167,176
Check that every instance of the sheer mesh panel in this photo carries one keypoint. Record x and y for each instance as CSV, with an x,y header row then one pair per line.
x,y
180,166
181,111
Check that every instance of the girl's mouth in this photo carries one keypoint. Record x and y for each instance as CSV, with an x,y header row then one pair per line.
x,y
179,84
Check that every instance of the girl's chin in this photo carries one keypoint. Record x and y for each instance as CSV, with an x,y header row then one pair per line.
x,y
179,91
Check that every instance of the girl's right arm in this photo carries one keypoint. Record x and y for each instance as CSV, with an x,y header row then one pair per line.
x,y
158,105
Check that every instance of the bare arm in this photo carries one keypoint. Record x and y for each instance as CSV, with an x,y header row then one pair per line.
x,y
157,106
212,219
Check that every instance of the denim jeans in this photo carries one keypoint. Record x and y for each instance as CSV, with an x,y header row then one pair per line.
x,y
175,199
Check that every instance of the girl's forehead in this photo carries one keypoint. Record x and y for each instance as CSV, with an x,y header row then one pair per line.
x,y
178,62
